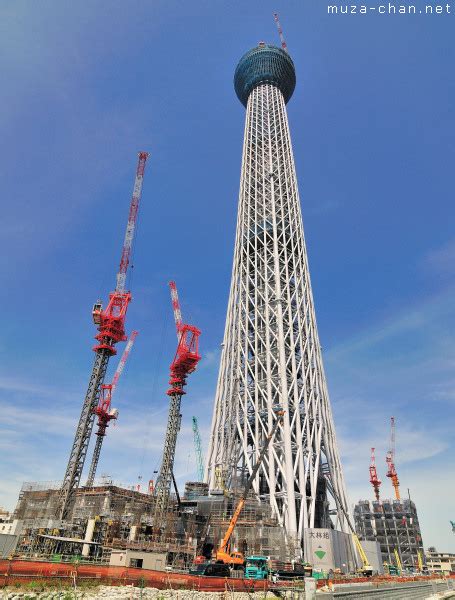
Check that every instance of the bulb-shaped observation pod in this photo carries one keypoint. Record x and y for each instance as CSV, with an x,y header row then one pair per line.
x,y
264,64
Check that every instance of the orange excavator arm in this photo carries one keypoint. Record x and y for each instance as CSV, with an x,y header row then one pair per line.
x,y
235,517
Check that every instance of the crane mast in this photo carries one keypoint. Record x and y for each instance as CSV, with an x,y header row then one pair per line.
x,y
104,412
198,449
185,361
390,461
374,479
111,330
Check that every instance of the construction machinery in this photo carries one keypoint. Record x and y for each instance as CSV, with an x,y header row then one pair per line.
x,y
111,327
185,362
374,479
398,561
420,561
198,450
104,412
390,461
223,554
280,32
366,569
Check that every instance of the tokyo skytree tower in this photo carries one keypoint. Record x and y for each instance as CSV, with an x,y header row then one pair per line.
x,y
271,355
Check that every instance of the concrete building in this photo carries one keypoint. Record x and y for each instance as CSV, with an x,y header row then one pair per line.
x,y
138,559
395,525
440,563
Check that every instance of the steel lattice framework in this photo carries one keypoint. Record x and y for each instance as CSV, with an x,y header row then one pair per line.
x,y
271,355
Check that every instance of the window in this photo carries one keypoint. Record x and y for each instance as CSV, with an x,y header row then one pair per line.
x,y
136,563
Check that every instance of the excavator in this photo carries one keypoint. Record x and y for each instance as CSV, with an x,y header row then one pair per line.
x,y
223,554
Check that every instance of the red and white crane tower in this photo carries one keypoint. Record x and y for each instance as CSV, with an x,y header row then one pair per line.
x,y
111,328
104,412
374,479
185,362
280,32
390,460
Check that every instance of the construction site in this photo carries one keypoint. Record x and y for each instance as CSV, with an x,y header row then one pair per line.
x,y
270,499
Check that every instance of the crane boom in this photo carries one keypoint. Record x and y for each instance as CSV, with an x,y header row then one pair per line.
x,y
280,32
366,567
111,330
131,225
122,361
104,412
176,307
390,460
398,560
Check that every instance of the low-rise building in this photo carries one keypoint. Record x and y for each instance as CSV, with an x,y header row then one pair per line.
x,y
441,563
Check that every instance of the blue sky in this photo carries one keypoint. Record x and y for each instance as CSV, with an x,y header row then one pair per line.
x,y
87,85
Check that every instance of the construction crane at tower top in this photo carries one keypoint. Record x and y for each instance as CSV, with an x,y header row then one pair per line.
x,y
280,32
111,327
185,362
390,460
105,412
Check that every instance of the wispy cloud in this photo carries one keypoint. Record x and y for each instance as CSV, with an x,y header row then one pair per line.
x,y
441,261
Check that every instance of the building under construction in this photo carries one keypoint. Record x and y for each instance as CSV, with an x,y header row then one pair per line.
x,y
108,517
395,525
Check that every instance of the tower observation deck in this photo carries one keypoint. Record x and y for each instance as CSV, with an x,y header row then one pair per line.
x,y
271,358
264,64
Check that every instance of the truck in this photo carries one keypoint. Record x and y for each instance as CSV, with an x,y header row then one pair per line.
x,y
256,567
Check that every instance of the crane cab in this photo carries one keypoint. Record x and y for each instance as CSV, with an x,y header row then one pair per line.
x,y
96,312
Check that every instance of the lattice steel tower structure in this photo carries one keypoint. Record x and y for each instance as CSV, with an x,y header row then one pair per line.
x,y
271,355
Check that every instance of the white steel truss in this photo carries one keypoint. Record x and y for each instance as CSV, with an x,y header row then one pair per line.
x,y
271,356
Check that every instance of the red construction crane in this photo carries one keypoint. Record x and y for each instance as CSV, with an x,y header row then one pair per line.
x,y
111,327
374,479
390,460
280,32
104,412
185,361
